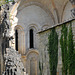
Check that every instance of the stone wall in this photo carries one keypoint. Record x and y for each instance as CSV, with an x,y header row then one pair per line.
x,y
33,17
43,45
39,15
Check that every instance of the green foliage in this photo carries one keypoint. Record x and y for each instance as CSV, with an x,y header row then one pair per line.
x,y
63,43
53,51
71,55
9,1
67,48
5,2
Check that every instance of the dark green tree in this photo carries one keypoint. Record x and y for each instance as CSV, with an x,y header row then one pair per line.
x,y
53,51
63,43
71,55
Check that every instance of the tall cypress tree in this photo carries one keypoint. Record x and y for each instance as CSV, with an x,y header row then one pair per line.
x,y
53,51
71,55
63,43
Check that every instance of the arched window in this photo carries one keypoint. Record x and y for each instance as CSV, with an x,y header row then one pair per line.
x,y
31,38
16,40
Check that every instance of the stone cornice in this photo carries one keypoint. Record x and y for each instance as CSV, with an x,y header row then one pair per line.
x,y
59,24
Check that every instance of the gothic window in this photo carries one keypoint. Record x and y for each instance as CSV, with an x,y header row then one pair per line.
x,y
31,38
16,40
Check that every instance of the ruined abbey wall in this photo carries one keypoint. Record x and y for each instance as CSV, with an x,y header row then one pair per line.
x,y
43,46
39,16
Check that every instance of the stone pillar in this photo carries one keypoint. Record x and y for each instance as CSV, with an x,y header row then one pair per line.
x,y
73,10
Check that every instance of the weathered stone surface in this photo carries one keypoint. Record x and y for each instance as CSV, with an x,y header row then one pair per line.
x,y
13,61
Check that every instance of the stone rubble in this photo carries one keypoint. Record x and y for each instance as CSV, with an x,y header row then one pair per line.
x,y
13,62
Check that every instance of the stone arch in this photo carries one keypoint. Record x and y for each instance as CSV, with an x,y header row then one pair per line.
x,y
39,5
66,9
35,30
21,39
19,27
32,51
33,26
34,14
32,62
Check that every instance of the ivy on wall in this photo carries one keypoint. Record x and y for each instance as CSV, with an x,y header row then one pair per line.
x,y
63,43
53,51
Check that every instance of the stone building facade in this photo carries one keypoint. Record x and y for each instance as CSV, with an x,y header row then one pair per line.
x,y
31,22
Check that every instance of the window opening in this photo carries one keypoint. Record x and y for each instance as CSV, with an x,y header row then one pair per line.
x,y
16,40
31,39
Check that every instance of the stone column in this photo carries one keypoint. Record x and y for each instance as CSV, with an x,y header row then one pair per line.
x,y
73,10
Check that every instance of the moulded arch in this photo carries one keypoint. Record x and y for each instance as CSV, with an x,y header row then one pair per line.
x,y
33,26
19,27
32,51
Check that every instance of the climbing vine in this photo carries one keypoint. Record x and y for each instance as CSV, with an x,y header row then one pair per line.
x,y
71,55
53,51
63,43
